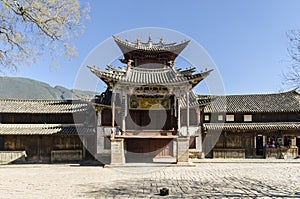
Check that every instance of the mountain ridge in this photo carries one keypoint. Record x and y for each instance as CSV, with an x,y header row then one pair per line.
x,y
26,88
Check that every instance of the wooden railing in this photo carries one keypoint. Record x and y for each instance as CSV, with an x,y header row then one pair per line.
x,y
281,153
149,133
229,153
10,156
66,155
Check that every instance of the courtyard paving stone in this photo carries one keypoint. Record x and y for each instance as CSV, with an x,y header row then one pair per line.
x,y
206,180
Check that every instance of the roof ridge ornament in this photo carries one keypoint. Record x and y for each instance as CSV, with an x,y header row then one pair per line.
x,y
161,41
171,63
138,40
130,61
150,42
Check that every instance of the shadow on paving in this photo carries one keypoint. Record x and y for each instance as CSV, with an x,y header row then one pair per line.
x,y
146,188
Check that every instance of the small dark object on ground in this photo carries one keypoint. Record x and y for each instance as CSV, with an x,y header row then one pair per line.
x,y
164,192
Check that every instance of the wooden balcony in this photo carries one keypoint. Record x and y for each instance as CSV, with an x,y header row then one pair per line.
x,y
148,134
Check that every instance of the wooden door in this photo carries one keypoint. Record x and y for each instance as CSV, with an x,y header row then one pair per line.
x,y
45,148
149,120
298,145
247,145
164,147
144,150
1,143
259,146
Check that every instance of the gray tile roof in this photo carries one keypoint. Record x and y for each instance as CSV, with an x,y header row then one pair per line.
x,y
145,76
270,126
105,98
279,102
41,106
193,99
43,129
128,46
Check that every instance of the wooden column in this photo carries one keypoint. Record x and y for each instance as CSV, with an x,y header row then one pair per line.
x,y
187,113
84,142
198,111
178,116
113,98
99,117
39,138
199,145
124,114
200,140
175,106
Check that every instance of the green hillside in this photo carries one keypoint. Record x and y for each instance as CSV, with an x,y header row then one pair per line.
x,y
24,88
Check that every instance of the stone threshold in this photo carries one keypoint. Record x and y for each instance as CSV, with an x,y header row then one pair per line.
x,y
128,165
219,160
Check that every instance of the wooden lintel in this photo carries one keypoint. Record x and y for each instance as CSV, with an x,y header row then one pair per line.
x,y
144,136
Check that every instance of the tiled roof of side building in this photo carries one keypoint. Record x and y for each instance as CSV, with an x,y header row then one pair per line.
x,y
271,126
193,100
278,102
105,98
41,106
44,129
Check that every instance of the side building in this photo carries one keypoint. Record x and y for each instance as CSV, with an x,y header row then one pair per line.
x,y
44,130
253,126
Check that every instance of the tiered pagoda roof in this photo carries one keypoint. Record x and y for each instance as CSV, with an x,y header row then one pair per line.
x,y
147,76
170,49
149,64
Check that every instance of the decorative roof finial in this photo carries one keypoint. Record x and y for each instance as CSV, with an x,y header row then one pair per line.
x,y
138,41
129,63
150,41
171,63
161,41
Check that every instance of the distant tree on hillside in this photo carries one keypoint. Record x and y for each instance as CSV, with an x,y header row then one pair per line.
x,y
291,77
29,28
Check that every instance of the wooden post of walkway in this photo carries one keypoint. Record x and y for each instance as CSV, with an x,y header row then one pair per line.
x,y
178,116
187,113
113,98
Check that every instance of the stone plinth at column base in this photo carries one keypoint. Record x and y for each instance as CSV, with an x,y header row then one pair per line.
x,y
117,152
183,144
185,164
201,155
194,153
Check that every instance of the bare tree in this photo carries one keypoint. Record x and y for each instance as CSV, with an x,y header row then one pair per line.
x,y
291,77
29,28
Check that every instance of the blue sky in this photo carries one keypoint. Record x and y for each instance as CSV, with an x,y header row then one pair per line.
x,y
246,39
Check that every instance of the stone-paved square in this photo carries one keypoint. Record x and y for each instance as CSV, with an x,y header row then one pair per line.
x,y
206,180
